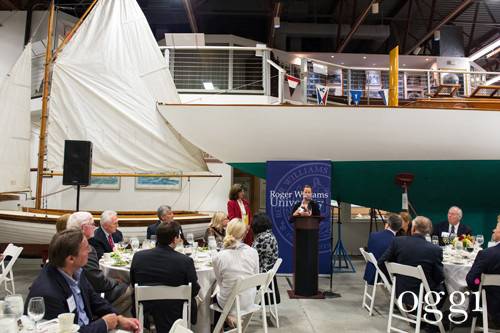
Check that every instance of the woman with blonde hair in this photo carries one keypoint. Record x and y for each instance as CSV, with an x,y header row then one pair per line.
x,y
236,260
217,227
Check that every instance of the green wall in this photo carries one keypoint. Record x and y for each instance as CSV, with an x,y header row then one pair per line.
x,y
472,185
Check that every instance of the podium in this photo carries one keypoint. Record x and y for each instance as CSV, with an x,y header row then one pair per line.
x,y
305,256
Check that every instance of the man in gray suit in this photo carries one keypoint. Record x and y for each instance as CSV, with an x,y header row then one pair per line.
x,y
119,294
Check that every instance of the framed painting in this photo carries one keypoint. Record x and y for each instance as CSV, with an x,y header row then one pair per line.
x,y
104,183
159,183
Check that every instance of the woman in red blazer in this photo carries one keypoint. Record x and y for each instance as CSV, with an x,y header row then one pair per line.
x,y
238,207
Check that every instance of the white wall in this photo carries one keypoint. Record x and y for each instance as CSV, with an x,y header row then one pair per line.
x,y
226,99
11,39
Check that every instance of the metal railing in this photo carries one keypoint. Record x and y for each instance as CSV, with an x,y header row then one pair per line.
x,y
372,82
219,69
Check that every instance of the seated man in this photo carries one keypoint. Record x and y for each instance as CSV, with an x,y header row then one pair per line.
x,y
65,289
107,235
488,262
414,250
119,294
378,242
452,226
164,266
165,215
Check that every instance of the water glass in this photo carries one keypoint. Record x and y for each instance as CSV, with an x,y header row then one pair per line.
x,y
153,240
124,243
480,240
190,238
435,240
14,305
36,310
8,324
428,238
459,246
134,243
195,251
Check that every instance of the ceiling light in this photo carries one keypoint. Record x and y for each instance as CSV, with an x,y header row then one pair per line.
x,y
426,59
404,65
437,35
485,50
277,22
364,57
375,8
341,63
332,56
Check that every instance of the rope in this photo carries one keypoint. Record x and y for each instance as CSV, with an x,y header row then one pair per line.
x,y
209,191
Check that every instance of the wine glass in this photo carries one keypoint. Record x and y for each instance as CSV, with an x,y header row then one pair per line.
x,y
153,240
15,305
190,238
435,240
124,243
134,243
480,240
36,309
428,238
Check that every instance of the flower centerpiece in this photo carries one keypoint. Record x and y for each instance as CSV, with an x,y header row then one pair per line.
x,y
466,240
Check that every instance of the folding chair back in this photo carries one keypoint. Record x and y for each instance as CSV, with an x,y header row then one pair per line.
x,y
487,280
160,293
7,275
243,284
270,293
417,273
370,258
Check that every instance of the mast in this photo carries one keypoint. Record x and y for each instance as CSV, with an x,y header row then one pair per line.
x,y
44,117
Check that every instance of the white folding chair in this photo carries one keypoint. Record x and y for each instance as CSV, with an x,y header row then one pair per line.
x,y
270,294
7,275
370,258
243,284
417,273
178,327
486,280
160,293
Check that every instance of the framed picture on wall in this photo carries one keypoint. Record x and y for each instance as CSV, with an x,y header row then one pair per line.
x,y
159,183
104,183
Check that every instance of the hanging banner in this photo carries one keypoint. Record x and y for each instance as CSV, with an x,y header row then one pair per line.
x,y
321,94
384,94
356,96
293,82
285,181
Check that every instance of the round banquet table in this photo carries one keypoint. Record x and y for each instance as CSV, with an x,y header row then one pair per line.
x,y
206,280
455,272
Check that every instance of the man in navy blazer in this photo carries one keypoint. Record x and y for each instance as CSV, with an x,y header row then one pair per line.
x,y
488,262
414,250
165,215
107,235
452,226
65,289
379,242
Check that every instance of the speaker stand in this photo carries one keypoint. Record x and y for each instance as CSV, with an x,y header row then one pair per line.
x,y
78,197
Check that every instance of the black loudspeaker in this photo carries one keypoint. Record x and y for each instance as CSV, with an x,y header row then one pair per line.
x,y
77,162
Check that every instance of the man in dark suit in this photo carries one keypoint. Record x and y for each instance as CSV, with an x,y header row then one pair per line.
x,y
119,294
452,226
107,235
65,289
414,250
488,262
165,215
379,242
164,266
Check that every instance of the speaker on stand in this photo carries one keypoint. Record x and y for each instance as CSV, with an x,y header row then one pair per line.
x,y
77,167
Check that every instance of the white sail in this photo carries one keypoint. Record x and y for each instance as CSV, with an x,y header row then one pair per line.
x,y
15,97
105,86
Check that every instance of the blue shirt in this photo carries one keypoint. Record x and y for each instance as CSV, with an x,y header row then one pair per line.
x,y
74,285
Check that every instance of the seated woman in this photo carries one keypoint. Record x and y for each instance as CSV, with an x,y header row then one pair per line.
x,y
406,227
266,245
236,260
217,227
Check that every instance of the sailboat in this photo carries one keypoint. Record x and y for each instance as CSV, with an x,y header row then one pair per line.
x,y
106,79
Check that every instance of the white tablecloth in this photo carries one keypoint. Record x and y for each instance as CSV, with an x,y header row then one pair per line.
x,y
206,280
454,278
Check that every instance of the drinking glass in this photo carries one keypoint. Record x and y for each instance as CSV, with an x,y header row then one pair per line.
x,y
153,240
435,240
459,246
428,238
134,243
446,240
190,238
36,309
480,240
124,243
15,305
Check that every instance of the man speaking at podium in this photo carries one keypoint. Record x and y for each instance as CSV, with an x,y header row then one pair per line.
x,y
306,207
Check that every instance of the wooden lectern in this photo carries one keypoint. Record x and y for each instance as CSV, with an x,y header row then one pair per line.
x,y
305,256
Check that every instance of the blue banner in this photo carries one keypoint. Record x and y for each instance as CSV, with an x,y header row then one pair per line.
x,y
285,181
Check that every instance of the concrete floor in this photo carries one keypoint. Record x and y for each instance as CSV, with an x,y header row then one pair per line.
x,y
342,314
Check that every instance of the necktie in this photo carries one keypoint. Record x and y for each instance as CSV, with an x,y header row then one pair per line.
x,y
110,241
452,230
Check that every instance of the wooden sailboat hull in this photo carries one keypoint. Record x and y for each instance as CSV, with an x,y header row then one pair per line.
x,y
34,230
